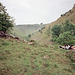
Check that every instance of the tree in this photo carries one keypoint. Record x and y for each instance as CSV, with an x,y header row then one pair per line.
x,y
29,35
41,23
6,21
64,34
67,26
56,30
66,38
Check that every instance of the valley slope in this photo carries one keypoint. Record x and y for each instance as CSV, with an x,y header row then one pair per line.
x,y
23,31
43,38
19,58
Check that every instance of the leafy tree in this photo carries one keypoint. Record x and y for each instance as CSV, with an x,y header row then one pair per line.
x,y
66,38
64,34
56,30
29,35
41,23
6,22
67,26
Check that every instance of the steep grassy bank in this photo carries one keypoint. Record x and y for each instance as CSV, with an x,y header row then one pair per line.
x,y
18,58
43,38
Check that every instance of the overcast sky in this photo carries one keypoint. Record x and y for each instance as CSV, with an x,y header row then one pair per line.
x,y
36,11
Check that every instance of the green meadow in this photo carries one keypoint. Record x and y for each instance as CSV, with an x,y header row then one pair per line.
x,y
19,58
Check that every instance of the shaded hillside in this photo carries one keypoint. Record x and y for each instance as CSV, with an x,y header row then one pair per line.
x,y
18,58
24,30
43,38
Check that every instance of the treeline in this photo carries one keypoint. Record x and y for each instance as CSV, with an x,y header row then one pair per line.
x,y
40,30
64,34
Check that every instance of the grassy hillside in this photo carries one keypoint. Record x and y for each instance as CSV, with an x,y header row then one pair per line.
x,y
18,58
43,38
23,31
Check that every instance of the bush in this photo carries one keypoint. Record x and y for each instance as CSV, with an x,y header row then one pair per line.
x,y
67,26
56,30
54,39
64,34
65,39
29,35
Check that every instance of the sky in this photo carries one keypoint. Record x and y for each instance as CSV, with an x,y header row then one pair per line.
x,y
36,11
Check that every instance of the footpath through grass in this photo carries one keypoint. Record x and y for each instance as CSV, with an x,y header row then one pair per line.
x,y
18,58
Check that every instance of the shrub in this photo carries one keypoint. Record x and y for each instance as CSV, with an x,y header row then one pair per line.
x,y
64,34
65,39
29,35
67,26
54,39
56,30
